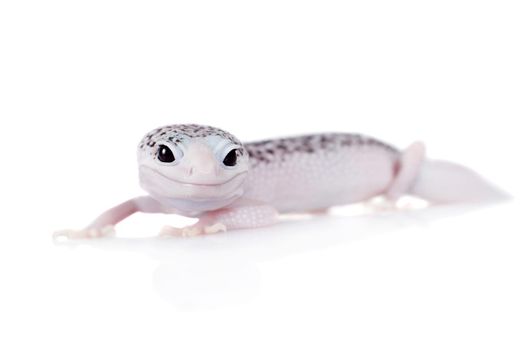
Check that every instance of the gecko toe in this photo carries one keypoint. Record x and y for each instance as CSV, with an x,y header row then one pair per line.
x,y
105,231
218,227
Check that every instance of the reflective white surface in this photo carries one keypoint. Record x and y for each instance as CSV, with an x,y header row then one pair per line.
x,y
450,274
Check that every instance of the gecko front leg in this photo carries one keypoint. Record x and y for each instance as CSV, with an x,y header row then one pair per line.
x,y
241,217
104,224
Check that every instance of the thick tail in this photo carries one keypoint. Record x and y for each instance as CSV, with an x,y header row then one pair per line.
x,y
440,181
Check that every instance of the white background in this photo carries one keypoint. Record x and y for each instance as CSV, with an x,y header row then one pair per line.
x,y
81,82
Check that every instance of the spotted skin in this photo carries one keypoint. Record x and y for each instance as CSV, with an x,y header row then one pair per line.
x,y
175,133
278,150
264,151
311,173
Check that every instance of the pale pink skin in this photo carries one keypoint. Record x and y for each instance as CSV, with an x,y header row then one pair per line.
x,y
253,192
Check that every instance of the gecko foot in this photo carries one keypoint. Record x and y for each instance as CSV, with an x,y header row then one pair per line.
x,y
105,231
380,204
215,228
193,230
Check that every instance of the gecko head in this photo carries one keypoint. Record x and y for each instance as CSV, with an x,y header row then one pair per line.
x,y
192,163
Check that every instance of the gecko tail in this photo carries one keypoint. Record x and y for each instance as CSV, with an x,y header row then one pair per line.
x,y
438,181
446,182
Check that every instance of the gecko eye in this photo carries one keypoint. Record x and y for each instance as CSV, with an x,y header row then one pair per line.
x,y
231,158
165,155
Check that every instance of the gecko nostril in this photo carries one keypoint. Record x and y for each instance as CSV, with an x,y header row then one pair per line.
x,y
201,170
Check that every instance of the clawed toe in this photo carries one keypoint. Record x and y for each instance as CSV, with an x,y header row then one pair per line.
x,y
105,231
218,227
169,231
191,231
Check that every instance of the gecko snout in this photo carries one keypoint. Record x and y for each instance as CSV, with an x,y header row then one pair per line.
x,y
201,161
197,170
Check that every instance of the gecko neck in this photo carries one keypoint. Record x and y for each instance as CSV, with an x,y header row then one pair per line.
x,y
195,207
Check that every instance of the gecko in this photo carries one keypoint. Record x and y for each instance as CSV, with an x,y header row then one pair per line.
x,y
204,172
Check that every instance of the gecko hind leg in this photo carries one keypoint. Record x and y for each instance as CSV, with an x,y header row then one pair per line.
x,y
408,167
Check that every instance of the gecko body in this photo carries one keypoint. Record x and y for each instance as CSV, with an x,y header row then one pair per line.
x,y
205,172
315,172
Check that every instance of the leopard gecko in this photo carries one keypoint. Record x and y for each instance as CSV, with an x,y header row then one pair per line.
x,y
207,173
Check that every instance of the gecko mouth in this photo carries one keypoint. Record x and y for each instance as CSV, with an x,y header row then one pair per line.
x,y
156,182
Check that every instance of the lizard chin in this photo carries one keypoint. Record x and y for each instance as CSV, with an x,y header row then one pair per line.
x,y
193,196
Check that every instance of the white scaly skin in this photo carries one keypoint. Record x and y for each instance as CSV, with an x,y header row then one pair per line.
x,y
204,172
